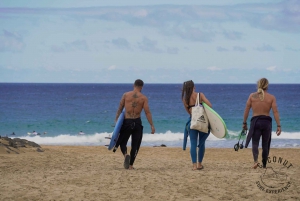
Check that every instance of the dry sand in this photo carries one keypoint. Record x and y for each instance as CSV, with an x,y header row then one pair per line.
x,y
94,173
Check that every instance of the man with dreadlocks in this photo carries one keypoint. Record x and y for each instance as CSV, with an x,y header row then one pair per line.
x,y
261,103
189,97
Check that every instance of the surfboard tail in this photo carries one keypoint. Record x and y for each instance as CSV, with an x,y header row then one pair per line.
x,y
218,126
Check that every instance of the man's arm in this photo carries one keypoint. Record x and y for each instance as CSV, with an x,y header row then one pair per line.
x,y
148,115
246,112
121,106
276,115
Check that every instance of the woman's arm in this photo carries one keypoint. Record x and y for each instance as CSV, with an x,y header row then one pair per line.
x,y
205,100
185,106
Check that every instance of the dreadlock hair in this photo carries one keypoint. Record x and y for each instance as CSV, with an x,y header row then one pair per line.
x,y
262,85
187,90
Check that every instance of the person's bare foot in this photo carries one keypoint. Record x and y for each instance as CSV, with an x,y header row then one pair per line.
x,y
131,168
194,166
200,167
255,165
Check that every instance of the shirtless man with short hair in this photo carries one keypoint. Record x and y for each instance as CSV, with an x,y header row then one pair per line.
x,y
134,102
261,103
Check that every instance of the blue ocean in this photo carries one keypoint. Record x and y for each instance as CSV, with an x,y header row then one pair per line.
x,y
59,112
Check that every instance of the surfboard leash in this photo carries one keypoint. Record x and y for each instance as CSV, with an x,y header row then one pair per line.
x,y
238,146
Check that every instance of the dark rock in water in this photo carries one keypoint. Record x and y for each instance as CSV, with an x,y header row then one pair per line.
x,y
162,145
13,145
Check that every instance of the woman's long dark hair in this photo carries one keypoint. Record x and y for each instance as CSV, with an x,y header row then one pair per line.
x,y
187,90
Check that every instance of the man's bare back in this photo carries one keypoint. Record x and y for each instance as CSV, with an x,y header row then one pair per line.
x,y
262,107
134,104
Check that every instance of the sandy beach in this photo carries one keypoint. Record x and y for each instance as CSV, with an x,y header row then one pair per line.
x,y
162,173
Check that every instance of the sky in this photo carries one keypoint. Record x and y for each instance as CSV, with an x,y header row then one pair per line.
x,y
158,41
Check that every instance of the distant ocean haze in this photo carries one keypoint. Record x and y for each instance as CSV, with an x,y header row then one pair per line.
x,y
63,110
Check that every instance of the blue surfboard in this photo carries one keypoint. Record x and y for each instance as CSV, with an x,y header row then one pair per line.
x,y
116,132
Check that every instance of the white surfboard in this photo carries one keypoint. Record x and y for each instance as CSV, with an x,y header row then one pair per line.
x,y
217,125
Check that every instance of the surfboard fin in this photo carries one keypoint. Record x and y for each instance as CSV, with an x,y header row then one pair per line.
x,y
107,137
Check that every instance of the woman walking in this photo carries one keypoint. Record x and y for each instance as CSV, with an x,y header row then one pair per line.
x,y
189,96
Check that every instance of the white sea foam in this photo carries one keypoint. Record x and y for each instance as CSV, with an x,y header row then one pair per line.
x,y
170,138
286,135
66,139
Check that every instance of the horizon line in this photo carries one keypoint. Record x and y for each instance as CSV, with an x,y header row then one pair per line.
x,y
254,83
